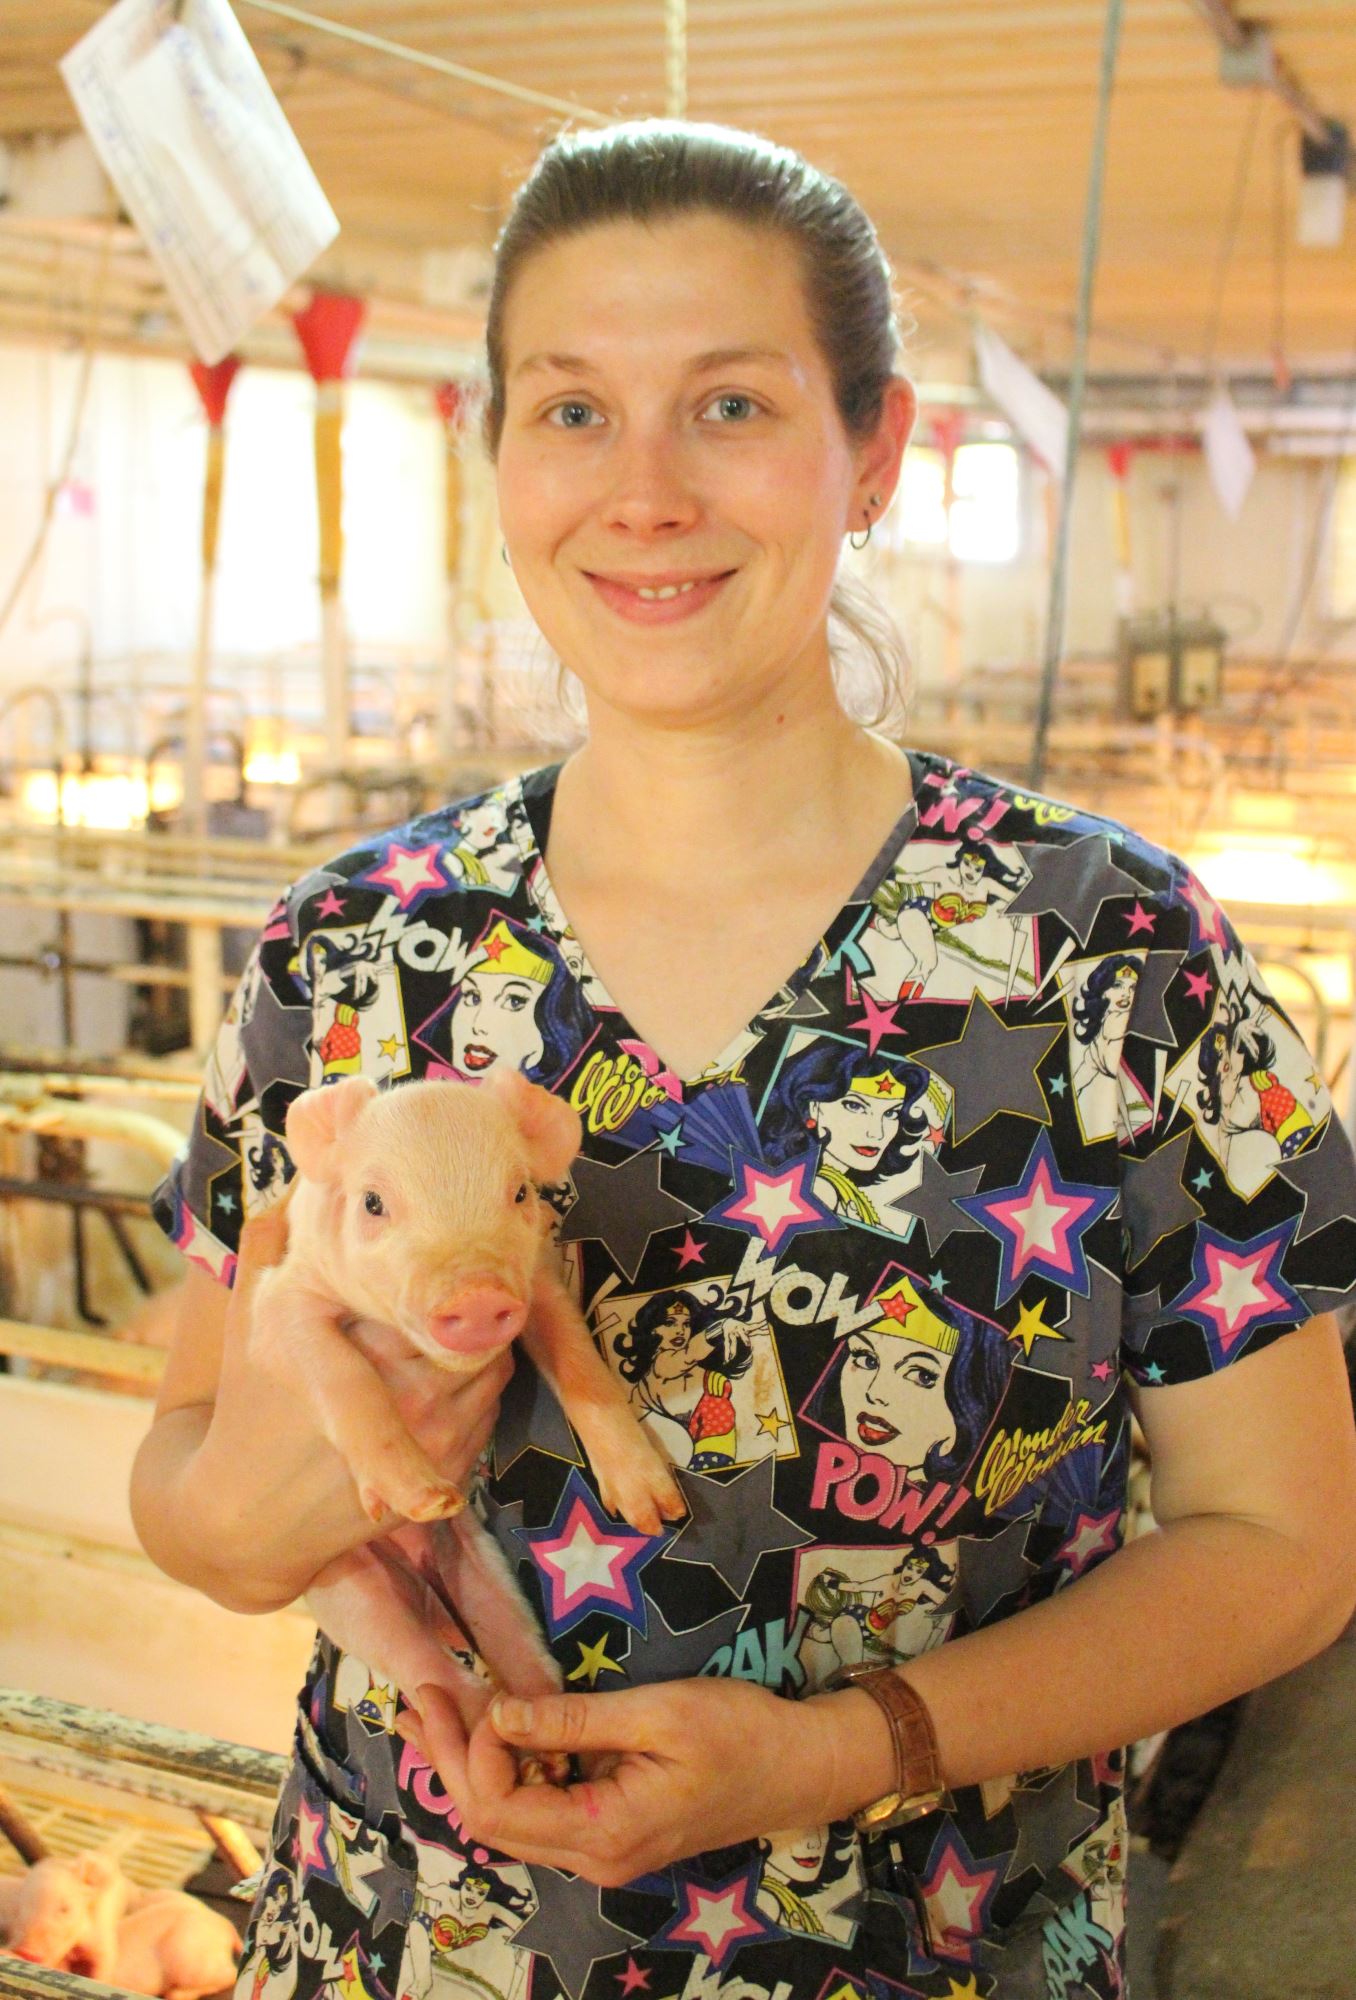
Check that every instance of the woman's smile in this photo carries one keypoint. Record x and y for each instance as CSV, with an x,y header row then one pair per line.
x,y
628,603
875,1430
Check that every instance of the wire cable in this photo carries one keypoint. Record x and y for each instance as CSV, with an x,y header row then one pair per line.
x,y
1092,237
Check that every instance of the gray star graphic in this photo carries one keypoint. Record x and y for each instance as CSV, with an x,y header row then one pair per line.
x,y
374,1757
568,1927
730,1524
314,883
392,1884
504,1523
1154,1202
530,1415
933,1201
1072,883
1049,1823
665,1655
1094,1330
209,1157
993,1567
1317,1174
1323,1299
1156,973
996,1066
274,1042
623,1207
1139,1313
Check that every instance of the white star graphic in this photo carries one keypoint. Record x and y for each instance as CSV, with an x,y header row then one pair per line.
x,y
1040,1220
715,1917
584,1562
407,870
1236,1290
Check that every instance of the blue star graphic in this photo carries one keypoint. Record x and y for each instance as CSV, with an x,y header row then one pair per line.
x,y
587,1562
937,1282
670,1141
1237,1287
1204,1179
537,923
226,1202
1041,1221
1153,1373
1059,1085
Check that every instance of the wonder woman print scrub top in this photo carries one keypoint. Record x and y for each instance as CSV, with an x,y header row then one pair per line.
x,y
1027,1122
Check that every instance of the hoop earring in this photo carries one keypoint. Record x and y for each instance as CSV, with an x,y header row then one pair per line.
x,y
875,502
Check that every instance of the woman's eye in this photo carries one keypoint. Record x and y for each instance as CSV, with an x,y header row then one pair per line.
x,y
733,396
858,1358
522,1193
924,1377
574,405
373,1203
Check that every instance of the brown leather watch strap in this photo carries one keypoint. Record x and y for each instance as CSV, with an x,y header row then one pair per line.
x,y
919,1785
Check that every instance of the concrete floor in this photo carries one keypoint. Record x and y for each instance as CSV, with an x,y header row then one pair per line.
x,y
1261,1902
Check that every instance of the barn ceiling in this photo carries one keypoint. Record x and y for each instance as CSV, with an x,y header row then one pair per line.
x,y
964,126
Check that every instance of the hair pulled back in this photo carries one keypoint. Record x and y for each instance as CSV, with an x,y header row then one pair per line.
x,y
652,169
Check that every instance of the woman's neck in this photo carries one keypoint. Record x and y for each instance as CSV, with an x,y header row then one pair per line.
x,y
803,780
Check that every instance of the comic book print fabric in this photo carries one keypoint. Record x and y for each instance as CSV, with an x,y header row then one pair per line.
x,y
1026,1123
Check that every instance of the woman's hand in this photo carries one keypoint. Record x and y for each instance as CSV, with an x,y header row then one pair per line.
x,y
245,1497
674,1769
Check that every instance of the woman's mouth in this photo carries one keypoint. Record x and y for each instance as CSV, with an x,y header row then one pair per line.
x,y
478,1056
875,1431
868,1152
665,610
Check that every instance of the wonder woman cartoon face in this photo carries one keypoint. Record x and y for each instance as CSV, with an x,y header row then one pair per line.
x,y
493,1021
857,1129
894,1397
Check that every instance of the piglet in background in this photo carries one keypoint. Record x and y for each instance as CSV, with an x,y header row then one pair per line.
x,y
80,1913
415,1226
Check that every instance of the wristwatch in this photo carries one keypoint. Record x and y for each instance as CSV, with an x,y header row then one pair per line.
x,y
919,1785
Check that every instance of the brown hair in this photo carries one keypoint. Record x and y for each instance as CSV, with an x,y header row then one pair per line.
x,y
645,170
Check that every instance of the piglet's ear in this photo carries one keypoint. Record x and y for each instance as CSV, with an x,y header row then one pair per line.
x,y
318,1120
550,1126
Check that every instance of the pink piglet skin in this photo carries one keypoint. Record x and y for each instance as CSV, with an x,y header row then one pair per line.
x,y
415,1229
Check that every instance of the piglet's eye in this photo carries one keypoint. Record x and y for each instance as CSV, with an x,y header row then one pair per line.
x,y
373,1203
522,1193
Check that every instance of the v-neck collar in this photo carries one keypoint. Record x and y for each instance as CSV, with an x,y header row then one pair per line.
x,y
537,791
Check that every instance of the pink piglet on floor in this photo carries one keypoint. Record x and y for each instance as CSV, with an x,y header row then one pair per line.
x,y
415,1220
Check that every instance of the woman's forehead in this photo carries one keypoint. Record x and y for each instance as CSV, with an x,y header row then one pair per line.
x,y
676,290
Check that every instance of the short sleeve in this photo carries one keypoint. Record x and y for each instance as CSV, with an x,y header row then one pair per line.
x,y
235,1161
1238,1199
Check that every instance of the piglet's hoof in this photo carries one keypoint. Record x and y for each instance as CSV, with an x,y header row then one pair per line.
x,y
544,1767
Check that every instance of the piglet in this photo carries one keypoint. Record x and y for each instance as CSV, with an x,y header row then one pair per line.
x,y
415,1227
63,1912
174,1946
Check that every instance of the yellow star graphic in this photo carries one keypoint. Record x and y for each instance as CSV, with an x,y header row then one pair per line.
x,y
593,1661
771,1424
967,1992
1031,1327
1314,1079
388,1044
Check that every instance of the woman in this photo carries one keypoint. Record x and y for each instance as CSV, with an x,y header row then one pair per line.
x,y
869,1119
694,396
680,1356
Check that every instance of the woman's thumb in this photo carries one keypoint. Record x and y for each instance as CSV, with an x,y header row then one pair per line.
x,y
566,1721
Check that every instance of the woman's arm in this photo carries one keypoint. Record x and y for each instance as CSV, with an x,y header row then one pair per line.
x,y
1253,1571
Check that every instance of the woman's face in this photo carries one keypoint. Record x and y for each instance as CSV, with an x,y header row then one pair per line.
x,y
644,458
495,1020
1119,1000
894,1400
798,1856
856,1130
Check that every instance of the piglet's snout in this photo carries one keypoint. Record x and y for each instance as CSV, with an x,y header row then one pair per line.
x,y
478,1319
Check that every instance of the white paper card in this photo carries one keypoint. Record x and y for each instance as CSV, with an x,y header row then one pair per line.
x,y
210,171
1034,411
1228,454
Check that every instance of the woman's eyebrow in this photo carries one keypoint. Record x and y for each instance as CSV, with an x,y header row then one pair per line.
x,y
715,357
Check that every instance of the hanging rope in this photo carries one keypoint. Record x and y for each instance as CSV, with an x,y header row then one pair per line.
x,y
675,58
1092,236
1229,239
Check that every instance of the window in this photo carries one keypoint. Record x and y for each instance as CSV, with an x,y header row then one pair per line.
x,y
984,522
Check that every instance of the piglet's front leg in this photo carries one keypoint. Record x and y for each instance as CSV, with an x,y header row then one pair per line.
x,y
634,1478
381,1606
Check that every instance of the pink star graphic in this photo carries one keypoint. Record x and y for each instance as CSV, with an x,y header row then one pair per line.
x,y
1236,1290
1100,1371
1198,985
407,871
275,923
689,1251
202,1248
1042,1220
632,1978
878,1022
773,1203
310,1837
584,1560
956,1894
717,1919
1092,1535
1208,913
329,905
1140,920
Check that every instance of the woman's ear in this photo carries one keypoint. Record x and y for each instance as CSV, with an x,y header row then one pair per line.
x,y
317,1121
552,1128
